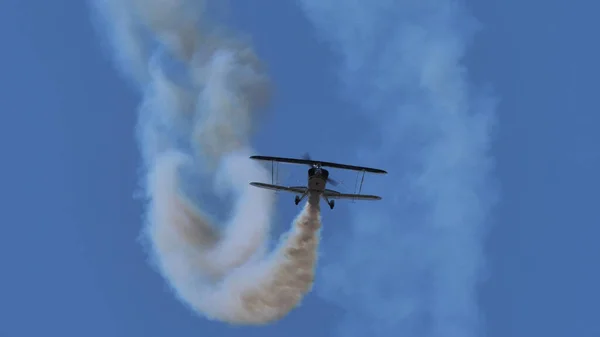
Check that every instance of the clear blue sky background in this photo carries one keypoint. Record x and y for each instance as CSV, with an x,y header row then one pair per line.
x,y
70,262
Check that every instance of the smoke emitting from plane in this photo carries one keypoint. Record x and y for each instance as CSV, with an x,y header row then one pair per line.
x,y
421,255
202,87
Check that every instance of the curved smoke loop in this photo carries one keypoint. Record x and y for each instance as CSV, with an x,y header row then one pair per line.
x,y
223,275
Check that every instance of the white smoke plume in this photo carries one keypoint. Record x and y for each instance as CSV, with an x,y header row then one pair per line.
x,y
419,250
199,264
202,87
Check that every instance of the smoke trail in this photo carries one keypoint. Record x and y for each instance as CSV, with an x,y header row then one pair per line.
x,y
419,251
202,88
253,293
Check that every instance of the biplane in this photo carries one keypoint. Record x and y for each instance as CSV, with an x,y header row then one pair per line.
x,y
318,177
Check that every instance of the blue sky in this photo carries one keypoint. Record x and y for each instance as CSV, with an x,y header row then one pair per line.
x,y
74,266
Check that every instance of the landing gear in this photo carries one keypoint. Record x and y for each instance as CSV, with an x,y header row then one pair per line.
x,y
297,200
331,204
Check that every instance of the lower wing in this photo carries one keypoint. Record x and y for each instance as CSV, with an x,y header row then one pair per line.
x,y
291,189
331,194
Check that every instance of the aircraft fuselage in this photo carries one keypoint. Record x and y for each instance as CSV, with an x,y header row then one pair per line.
x,y
317,179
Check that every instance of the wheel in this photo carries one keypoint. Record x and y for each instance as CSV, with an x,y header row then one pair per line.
x,y
297,200
332,204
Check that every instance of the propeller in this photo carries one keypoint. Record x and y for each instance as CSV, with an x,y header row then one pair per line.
x,y
306,156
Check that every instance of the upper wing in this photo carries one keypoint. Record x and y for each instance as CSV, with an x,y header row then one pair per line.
x,y
292,189
284,160
331,194
352,167
323,163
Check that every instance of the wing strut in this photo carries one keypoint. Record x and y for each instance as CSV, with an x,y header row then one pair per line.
x,y
361,181
274,172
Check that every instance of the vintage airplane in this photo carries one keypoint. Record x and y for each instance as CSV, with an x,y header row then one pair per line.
x,y
318,177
